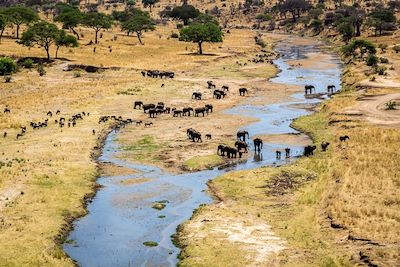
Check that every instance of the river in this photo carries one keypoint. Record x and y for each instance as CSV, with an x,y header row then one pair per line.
x,y
121,217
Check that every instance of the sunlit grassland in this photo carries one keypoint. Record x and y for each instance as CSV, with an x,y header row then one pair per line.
x,y
354,183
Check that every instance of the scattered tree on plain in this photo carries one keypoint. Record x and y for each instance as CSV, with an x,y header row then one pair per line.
x,y
149,3
140,22
20,15
42,34
64,39
97,21
200,33
184,13
70,19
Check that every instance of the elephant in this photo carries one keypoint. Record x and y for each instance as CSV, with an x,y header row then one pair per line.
x,y
219,92
196,137
258,144
186,111
225,88
241,144
309,88
232,152
189,132
324,146
309,150
143,73
197,111
153,113
221,150
177,113
287,152
210,85
278,154
146,107
209,108
137,104
331,89
208,136
242,135
196,95
243,91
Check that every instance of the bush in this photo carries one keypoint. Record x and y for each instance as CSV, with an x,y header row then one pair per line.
x,y
174,35
179,26
384,60
260,42
382,47
7,79
372,60
40,69
7,66
28,63
391,105
396,48
77,74
263,17
381,70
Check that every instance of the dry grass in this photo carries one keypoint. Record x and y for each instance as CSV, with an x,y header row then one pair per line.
x,y
53,167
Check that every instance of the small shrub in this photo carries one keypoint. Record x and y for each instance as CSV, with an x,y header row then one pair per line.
x,y
28,63
372,79
384,60
7,79
40,69
7,66
174,35
77,74
179,26
396,48
391,105
381,70
260,42
372,60
382,47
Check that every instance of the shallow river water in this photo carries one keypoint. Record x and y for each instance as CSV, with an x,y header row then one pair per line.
x,y
121,217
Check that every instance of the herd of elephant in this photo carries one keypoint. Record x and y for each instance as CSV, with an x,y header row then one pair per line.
x,y
155,110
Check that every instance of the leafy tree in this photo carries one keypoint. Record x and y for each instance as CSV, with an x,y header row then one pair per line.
x,y
200,33
7,66
295,7
20,15
4,22
97,21
362,45
184,13
139,23
356,17
315,13
70,19
149,3
205,18
63,39
381,19
346,29
372,60
316,25
41,34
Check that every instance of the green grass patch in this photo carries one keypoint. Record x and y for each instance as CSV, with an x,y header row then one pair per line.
x,y
203,162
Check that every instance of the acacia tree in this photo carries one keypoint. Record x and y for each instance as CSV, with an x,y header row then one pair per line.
x,y
97,21
140,22
184,13
200,33
149,3
41,34
64,39
19,15
295,7
4,21
70,19
381,19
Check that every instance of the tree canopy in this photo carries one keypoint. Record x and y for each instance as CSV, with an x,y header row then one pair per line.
x,y
149,3
184,13
295,7
7,66
200,33
64,39
70,19
381,19
97,21
140,22
43,34
19,15
4,21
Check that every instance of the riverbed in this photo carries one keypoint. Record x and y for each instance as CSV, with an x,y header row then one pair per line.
x,y
121,216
